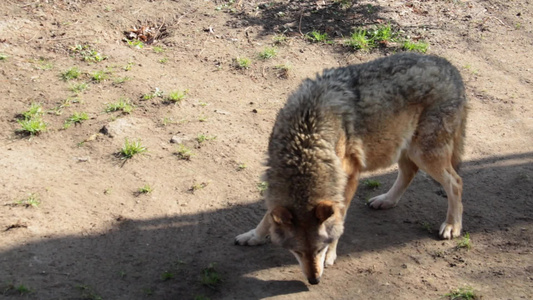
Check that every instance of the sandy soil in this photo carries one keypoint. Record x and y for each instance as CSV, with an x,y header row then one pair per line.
x,y
91,235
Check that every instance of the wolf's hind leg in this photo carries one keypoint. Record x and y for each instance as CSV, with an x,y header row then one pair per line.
x,y
406,173
256,236
441,169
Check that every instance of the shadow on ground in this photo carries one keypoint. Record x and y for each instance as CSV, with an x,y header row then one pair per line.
x,y
131,260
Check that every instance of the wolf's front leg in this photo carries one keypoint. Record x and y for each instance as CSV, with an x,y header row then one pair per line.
x,y
256,236
331,255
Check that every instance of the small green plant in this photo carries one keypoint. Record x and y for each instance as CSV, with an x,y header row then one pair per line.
x,y
242,63
176,96
156,93
87,54
88,293
381,34
130,149
3,56
203,138
75,118
42,64
99,76
465,242
22,289
268,53
33,126
121,80
262,187
463,293
35,110
210,277
146,189
128,66
108,191
167,275
421,47
31,201
135,44
202,119
198,186
183,152
72,73
427,226
158,49
280,39
78,87
201,297
163,60
202,104
241,167
372,184
317,37
359,40
123,105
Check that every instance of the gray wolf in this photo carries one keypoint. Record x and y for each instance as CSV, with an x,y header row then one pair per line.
x,y
406,108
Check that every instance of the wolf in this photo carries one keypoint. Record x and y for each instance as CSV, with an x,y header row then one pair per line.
x,y
407,108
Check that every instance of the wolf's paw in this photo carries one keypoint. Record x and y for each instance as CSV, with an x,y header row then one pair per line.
x,y
381,202
449,231
250,238
331,256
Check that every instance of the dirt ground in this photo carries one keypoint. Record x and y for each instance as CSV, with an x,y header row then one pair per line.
x,y
73,224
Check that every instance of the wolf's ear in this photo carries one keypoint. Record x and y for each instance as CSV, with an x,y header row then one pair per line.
x,y
324,210
281,216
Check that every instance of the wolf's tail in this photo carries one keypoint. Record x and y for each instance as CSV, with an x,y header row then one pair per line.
x,y
458,141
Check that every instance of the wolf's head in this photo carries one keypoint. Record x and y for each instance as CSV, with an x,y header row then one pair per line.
x,y
307,234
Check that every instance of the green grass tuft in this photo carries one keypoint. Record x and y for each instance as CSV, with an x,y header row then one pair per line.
x,y
130,149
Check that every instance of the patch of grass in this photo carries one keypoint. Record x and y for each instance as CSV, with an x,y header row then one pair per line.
x,y
372,184
35,110
167,275
176,96
381,34
146,189
280,39
210,277
31,201
130,149
465,242
427,226
198,186
75,118
158,49
72,73
156,93
99,76
121,80
33,126
3,57
268,53
183,152
78,87
317,37
241,166
421,47
87,54
135,44
202,119
242,63
42,64
123,105
262,187
22,289
88,293
201,138
163,60
128,66
463,293
359,40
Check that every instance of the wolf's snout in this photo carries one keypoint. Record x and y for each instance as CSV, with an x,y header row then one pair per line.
x,y
314,280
